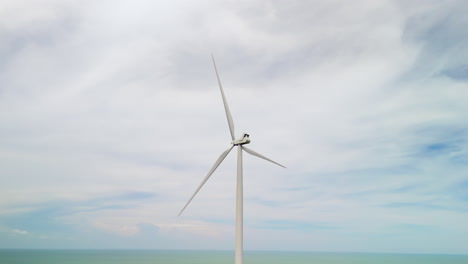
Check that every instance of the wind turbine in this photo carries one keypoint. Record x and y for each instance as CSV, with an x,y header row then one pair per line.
x,y
240,143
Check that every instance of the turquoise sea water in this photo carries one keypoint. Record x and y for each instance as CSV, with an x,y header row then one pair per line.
x,y
8,256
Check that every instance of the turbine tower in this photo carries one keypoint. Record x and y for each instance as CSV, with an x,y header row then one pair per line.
x,y
240,143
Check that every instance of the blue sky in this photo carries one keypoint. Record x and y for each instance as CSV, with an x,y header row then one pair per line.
x,y
110,116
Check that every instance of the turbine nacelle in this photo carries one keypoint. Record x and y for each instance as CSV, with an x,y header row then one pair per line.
x,y
241,141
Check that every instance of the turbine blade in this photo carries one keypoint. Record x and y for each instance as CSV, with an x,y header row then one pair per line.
x,y
226,107
251,152
220,159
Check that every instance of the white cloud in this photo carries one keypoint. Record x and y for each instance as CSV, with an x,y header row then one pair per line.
x,y
103,98
19,232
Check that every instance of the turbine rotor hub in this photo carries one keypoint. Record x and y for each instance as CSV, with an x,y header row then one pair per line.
x,y
241,141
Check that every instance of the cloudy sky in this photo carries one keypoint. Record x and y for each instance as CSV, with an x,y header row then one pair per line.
x,y
110,116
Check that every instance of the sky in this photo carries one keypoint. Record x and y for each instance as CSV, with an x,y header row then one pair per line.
x,y
111,115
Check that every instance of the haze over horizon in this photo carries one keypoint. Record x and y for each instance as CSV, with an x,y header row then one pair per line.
x,y
110,116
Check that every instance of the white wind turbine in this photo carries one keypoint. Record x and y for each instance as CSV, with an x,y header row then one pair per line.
x,y
239,195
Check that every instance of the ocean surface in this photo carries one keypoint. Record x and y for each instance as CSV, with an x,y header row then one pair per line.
x,y
13,256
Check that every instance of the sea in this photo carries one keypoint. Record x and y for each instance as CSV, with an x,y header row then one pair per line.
x,y
23,256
